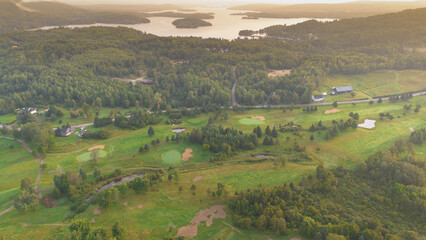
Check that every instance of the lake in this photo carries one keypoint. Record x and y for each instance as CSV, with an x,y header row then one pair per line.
x,y
225,25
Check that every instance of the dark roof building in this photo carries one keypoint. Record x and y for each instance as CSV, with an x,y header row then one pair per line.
x,y
317,98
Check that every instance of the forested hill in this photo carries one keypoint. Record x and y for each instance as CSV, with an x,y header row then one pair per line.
x,y
406,28
18,15
74,67
328,10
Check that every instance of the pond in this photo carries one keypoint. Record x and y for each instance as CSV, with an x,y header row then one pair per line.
x,y
115,183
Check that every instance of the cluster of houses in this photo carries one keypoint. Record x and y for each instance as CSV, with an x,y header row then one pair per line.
x,y
334,91
32,111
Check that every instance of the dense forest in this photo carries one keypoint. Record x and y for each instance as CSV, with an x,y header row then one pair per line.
x,y
377,34
73,67
19,15
352,9
383,198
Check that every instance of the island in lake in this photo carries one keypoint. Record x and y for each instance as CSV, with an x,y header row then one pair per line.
x,y
190,23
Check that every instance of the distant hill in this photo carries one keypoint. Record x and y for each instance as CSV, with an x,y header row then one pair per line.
x,y
134,7
338,11
403,29
18,15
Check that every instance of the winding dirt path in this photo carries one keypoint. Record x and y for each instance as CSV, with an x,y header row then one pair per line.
x,y
7,210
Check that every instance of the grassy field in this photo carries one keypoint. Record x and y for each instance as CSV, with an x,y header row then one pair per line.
x,y
377,83
8,118
165,209
15,164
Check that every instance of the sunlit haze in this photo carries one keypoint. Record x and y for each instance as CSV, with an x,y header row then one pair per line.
x,y
212,2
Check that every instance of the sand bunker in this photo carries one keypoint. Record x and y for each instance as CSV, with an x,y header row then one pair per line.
x,y
334,110
97,211
368,124
207,216
279,73
261,118
197,179
187,154
97,147
187,231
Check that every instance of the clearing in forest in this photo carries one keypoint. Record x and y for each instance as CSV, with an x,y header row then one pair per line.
x,y
279,73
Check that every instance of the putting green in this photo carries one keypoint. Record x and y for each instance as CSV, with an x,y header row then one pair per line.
x,y
87,156
250,121
171,157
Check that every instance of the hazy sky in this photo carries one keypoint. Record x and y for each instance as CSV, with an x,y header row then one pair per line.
x,y
210,2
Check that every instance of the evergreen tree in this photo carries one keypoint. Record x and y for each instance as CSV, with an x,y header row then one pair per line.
x,y
259,132
151,131
268,130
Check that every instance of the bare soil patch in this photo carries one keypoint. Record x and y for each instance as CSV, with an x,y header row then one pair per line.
x,y
97,211
334,110
296,239
279,73
97,147
261,118
140,206
187,231
125,203
93,220
187,154
207,216
130,208
197,179
51,172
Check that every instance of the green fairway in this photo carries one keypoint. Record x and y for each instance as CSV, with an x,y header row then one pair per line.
x,y
87,156
171,157
250,121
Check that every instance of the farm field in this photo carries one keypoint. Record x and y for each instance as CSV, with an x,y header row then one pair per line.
x,y
373,84
162,211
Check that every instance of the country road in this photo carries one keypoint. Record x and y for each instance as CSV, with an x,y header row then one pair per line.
x,y
235,103
234,98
